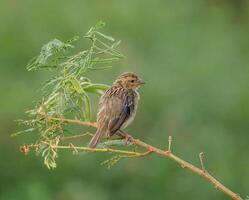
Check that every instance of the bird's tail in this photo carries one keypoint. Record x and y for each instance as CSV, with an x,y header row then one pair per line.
x,y
95,139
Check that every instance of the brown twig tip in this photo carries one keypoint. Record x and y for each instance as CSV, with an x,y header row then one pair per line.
x,y
170,142
24,149
183,166
201,157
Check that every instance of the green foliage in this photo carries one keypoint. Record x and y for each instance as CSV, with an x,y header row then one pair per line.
x,y
66,94
193,56
118,143
112,161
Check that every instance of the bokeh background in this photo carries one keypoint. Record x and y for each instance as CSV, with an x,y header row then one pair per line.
x,y
194,56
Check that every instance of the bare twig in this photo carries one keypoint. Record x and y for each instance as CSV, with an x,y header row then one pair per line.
x,y
72,121
76,136
201,157
170,142
76,149
151,149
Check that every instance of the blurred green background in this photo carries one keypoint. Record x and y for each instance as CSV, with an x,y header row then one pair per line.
x,y
194,56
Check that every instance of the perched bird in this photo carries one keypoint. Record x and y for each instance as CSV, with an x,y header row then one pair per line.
x,y
117,106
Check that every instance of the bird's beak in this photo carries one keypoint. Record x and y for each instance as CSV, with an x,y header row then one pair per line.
x,y
141,82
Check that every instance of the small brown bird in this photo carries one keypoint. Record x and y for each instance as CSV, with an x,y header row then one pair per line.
x,y
117,106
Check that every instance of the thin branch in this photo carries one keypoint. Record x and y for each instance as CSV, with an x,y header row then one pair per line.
x,y
72,121
190,167
76,136
151,149
201,157
25,148
75,150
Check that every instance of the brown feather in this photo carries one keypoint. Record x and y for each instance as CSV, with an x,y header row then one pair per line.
x,y
117,107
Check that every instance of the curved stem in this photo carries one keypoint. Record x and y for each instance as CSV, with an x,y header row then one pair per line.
x,y
186,165
151,149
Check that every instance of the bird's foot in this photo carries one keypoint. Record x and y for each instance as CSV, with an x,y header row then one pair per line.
x,y
125,136
128,138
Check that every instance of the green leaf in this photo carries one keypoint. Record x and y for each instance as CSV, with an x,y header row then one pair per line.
x,y
87,108
96,88
118,142
115,44
85,84
76,85
105,36
74,39
48,50
23,131
104,60
50,82
99,24
67,92
112,161
101,68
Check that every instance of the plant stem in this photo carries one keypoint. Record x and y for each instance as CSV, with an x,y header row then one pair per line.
x,y
151,149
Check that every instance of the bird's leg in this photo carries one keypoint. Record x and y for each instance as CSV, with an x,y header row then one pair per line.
x,y
124,135
121,135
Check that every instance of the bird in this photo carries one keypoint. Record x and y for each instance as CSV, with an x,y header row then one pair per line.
x,y
117,106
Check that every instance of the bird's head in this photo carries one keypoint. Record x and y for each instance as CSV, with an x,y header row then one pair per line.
x,y
129,80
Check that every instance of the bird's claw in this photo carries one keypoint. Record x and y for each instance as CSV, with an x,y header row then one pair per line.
x,y
128,139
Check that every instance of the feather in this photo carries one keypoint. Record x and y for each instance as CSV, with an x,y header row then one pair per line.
x,y
95,139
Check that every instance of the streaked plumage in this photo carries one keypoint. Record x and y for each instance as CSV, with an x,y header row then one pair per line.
x,y
117,106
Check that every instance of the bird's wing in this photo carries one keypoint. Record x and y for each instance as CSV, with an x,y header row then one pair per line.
x,y
125,111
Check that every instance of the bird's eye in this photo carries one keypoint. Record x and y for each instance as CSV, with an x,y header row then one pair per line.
x,y
132,81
